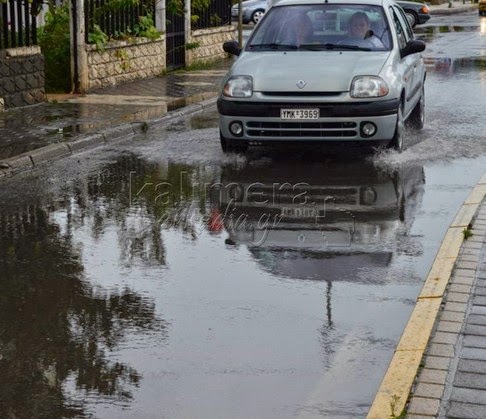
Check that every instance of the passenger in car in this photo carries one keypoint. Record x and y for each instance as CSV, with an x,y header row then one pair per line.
x,y
299,31
359,27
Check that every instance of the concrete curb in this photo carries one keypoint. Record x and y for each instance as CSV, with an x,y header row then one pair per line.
x,y
394,391
463,8
51,152
183,113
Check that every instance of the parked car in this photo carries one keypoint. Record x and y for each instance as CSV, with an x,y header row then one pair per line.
x,y
252,10
482,7
417,13
332,87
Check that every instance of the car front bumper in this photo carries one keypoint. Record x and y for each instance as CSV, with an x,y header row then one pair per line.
x,y
337,122
423,18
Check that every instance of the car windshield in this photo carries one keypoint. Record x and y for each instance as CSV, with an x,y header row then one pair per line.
x,y
322,27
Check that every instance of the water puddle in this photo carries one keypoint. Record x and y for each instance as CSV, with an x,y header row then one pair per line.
x,y
433,30
128,279
92,277
450,65
128,275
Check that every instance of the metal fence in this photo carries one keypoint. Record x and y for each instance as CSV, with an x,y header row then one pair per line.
x,y
18,25
115,21
218,14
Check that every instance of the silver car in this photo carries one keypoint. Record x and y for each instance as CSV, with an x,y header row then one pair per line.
x,y
251,10
313,71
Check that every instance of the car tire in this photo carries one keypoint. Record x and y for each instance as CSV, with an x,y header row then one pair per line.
x,y
257,15
232,146
396,142
417,117
412,17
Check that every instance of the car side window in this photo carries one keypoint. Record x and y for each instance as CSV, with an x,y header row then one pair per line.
x,y
400,28
405,23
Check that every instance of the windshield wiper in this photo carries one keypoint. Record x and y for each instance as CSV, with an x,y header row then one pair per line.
x,y
320,47
350,47
317,47
273,46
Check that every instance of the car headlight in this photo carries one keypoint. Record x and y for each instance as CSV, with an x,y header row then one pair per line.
x,y
369,86
238,86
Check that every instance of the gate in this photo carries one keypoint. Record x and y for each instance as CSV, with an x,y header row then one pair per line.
x,y
175,41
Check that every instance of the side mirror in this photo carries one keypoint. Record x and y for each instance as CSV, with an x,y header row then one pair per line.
x,y
232,47
412,47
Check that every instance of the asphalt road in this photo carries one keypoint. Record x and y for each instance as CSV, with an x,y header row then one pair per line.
x,y
161,278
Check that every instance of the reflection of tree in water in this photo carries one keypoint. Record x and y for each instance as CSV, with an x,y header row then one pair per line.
x,y
54,327
142,198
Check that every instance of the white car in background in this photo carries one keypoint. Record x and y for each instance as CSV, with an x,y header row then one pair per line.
x,y
332,87
417,12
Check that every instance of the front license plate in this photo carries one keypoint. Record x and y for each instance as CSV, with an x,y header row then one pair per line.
x,y
299,212
299,113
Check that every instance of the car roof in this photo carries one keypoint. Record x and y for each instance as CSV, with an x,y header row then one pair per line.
x,y
411,3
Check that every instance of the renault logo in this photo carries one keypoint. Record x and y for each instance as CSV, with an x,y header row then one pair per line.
x,y
301,84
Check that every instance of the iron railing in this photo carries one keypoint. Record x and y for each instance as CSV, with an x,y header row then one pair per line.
x,y
217,14
115,22
18,25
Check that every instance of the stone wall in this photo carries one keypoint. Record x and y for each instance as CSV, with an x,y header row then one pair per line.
x,y
207,44
121,62
22,77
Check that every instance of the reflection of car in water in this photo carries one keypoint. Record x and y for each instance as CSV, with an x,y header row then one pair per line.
x,y
295,217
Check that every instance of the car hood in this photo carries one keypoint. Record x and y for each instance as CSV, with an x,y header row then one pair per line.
x,y
325,71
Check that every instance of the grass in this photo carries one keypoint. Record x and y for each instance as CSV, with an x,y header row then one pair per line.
x,y
393,406
467,232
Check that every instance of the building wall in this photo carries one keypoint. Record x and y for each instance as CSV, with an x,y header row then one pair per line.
x,y
22,77
207,44
122,62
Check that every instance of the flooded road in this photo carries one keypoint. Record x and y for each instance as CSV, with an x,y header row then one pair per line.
x,y
160,278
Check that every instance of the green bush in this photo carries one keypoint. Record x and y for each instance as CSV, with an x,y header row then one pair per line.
x,y
145,27
54,40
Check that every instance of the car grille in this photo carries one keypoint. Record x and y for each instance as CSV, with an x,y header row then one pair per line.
x,y
301,129
281,195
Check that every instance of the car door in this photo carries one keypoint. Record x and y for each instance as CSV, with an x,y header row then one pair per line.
x,y
409,65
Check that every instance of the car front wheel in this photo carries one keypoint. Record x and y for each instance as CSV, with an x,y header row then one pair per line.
x,y
411,17
397,141
257,15
417,117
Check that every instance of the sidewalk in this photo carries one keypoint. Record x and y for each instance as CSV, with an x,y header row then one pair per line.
x,y
66,123
452,383
438,369
457,6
